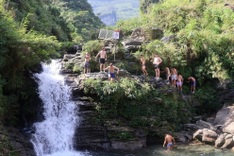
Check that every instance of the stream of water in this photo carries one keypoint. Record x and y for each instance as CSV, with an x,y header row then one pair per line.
x,y
54,135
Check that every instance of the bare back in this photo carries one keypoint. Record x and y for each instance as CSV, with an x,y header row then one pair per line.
x,y
157,60
180,78
143,61
112,69
169,139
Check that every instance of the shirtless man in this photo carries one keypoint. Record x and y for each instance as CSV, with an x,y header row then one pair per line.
x,y
192,82
87,63
143,67
156,61
111,74
179,82
173,76
169,141
103,58
168,73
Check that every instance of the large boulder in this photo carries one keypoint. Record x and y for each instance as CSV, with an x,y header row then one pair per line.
x,y
209,136
205,135
225,119
204,124
229,143
220,140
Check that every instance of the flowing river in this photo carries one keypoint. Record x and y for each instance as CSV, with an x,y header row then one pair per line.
x,y
54,135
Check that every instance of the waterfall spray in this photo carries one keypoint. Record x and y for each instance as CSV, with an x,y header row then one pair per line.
x,y
54,135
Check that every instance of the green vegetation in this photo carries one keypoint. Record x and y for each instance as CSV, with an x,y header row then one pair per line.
x,y
203,43
71,20
21,50
138,104
33,32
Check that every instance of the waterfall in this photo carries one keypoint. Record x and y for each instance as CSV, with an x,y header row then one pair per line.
x,y
54,135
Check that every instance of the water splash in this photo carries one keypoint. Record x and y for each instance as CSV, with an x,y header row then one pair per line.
x,y
54,135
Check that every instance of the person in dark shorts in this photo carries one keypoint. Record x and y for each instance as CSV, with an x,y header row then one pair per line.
x,y
192,82
103,58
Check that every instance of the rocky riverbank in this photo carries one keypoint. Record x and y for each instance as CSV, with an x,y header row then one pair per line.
x,y
14,142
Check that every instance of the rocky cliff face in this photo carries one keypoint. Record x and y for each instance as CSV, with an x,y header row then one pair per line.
x,y
109,19
122,9
90,133
218,130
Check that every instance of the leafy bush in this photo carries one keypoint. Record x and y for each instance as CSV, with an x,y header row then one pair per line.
x,y
136,102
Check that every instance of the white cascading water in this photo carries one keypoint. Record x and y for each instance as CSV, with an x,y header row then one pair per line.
x,y
54,135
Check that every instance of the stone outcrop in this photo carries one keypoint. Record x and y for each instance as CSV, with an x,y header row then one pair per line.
x,y
109,18
218,132
14,142
140,36
93,135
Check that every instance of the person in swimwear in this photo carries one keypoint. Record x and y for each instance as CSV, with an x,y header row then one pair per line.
x,y
103,58
173,76
87,63
179,82
111,69
143,66
168,73
156,62
192,82
169,141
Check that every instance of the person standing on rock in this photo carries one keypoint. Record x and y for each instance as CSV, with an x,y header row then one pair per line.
x,y
179,82
169,141
143,66
111,74
103,58
192,82
156,62
87,63
168,74
173,76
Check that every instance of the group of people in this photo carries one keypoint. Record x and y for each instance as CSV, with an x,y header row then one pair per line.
x,y
102,60
172,75
175,78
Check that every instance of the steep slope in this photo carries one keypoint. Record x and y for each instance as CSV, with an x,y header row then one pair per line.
x,y
67,20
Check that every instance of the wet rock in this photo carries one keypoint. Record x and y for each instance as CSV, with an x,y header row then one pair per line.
x,y
229,143
220,141
209,136
198,134
203,124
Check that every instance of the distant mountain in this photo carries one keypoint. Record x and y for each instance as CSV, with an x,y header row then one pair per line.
x,y
110,11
